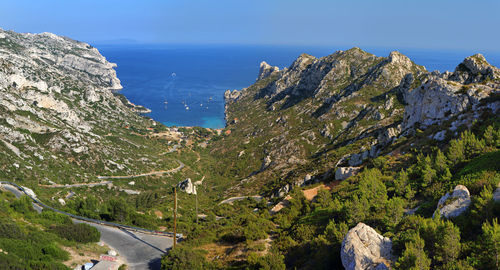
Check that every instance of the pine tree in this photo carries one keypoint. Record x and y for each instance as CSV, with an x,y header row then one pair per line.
x,y
440,161
414,257
488,253
401,182
394,211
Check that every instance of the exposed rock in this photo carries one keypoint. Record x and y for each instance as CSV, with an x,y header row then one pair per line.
x,y
187,186
343,173
61,201
440,136
231,96
266,163
363,248
266,70
496,194
452,204
474,69
444,96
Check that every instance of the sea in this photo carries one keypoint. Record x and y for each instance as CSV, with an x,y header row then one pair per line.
x,y
184,85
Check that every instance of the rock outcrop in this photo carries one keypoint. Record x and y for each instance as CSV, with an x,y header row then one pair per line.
x,y
444,96
266,70
343,173
363,249
454,203
475,69
187,186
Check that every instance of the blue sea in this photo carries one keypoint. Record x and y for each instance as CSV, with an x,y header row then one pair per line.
x,y
183,85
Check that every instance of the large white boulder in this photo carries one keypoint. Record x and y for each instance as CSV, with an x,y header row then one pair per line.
x,y
453,204
187,186
363,248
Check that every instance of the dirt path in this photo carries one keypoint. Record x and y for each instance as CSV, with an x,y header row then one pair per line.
x,y
181,165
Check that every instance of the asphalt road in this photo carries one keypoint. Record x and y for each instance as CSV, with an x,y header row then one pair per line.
x,y
141,251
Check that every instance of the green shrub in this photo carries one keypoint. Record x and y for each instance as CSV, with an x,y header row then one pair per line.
x,y
82,233
182,258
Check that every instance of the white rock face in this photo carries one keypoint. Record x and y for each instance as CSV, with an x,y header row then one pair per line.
x,y
343,173
455,203
363,248
433,102
446,95
266,70
187,186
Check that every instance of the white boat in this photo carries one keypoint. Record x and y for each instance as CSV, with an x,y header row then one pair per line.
x,y
187,108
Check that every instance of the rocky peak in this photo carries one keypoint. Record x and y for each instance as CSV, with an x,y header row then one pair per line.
x,y
266,70
475,69
399,59
302,62
443,96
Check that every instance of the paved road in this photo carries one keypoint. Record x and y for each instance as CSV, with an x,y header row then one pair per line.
x,y
141,251
233,199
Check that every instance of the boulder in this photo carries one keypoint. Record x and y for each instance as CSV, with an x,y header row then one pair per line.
x,y
187,186
343,173
363,248
452,204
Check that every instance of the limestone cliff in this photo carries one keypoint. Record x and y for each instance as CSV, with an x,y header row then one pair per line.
x,y
57,103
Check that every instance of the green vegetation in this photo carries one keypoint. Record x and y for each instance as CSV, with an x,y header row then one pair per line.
x,y
29,240
82,233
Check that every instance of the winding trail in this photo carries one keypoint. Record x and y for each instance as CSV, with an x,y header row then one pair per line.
x,y
180,167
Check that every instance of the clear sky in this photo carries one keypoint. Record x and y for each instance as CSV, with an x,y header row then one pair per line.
x,y
426,24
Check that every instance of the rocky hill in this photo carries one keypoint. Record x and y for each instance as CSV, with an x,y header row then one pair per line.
x,y
305,122
60,118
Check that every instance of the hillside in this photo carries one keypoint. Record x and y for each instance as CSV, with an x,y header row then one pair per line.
x,y
354,155
349,160
303,123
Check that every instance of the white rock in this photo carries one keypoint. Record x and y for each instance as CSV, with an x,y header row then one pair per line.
x,y
343,173
131,183
61,201
455,203
266,70
187,186
363,248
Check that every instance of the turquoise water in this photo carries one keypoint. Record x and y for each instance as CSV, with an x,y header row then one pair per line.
x,y
184,85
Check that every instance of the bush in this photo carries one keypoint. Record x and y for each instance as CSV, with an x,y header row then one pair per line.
x,y
182,258
82,233
271,261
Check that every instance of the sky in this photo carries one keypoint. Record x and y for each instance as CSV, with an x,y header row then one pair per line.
x,y
425,24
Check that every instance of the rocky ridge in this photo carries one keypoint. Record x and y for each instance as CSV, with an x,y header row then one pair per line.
x,y
345,108
58,102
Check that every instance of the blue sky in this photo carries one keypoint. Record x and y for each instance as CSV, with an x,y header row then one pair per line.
x,y
426,24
